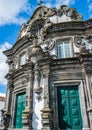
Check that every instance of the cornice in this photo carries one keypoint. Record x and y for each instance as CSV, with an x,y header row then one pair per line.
x,y
16,46
65,61
72,25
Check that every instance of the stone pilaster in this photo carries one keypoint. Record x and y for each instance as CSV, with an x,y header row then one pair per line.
x,y
46,111
7,110
86,60
28,112
88,89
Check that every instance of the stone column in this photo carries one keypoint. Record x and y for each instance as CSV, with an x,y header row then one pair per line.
x,y
88,81
7,110
88,89
27,114
9,83
46,111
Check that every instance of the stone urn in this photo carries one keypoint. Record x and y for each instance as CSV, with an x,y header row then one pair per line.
x,y
36,53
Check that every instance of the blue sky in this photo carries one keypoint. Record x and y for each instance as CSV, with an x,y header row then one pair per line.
x,y
14,13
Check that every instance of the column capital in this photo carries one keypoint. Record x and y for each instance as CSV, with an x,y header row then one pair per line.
x,y
10,83
28,75
45,71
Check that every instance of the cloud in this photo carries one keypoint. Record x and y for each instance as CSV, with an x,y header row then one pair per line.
x,y
3,65
10,11
64,2
90,7
58,3
88,1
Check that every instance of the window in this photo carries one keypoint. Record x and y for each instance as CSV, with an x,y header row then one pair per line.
x,y
22,59
64,49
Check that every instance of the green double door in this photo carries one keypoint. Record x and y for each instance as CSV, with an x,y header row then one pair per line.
x,y
69,112
20,107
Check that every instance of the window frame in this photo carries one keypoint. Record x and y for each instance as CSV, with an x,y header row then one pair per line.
x,y
20,56
70,46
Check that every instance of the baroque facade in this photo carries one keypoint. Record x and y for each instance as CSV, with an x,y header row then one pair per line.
x,y
49,83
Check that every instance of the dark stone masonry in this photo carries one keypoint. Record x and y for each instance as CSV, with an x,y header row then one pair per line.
x,y
49,83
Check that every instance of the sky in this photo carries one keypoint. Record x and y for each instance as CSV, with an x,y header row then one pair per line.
x,y
15,12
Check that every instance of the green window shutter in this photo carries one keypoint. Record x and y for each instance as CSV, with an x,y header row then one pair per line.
x,y
20,107
69,112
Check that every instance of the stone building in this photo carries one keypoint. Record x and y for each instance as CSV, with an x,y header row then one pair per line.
x,y
50,73
2,102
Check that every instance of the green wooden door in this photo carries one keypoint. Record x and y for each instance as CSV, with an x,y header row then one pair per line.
x,y
69,108
20,106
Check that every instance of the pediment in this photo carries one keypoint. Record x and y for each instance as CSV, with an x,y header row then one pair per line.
x,y
55,15
43,17
41,12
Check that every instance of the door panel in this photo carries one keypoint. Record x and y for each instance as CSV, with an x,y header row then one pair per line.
x,y
69,108
20,107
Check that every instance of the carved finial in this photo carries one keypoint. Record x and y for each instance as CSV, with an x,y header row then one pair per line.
x,y
40,3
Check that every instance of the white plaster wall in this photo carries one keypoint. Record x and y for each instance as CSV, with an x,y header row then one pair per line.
x,y
83,106
58,19
37,107
76,49
52,52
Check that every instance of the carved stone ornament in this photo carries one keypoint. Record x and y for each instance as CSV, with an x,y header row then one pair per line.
x,y
43,11
24,31
49,45
83,44
37,88
6,117
10,63
46,116
36,53
43,17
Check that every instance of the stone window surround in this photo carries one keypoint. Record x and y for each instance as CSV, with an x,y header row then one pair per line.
x,y
19,56
66,38
22,59
80,85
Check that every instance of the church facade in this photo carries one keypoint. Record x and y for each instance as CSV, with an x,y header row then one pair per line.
x,y
49,83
